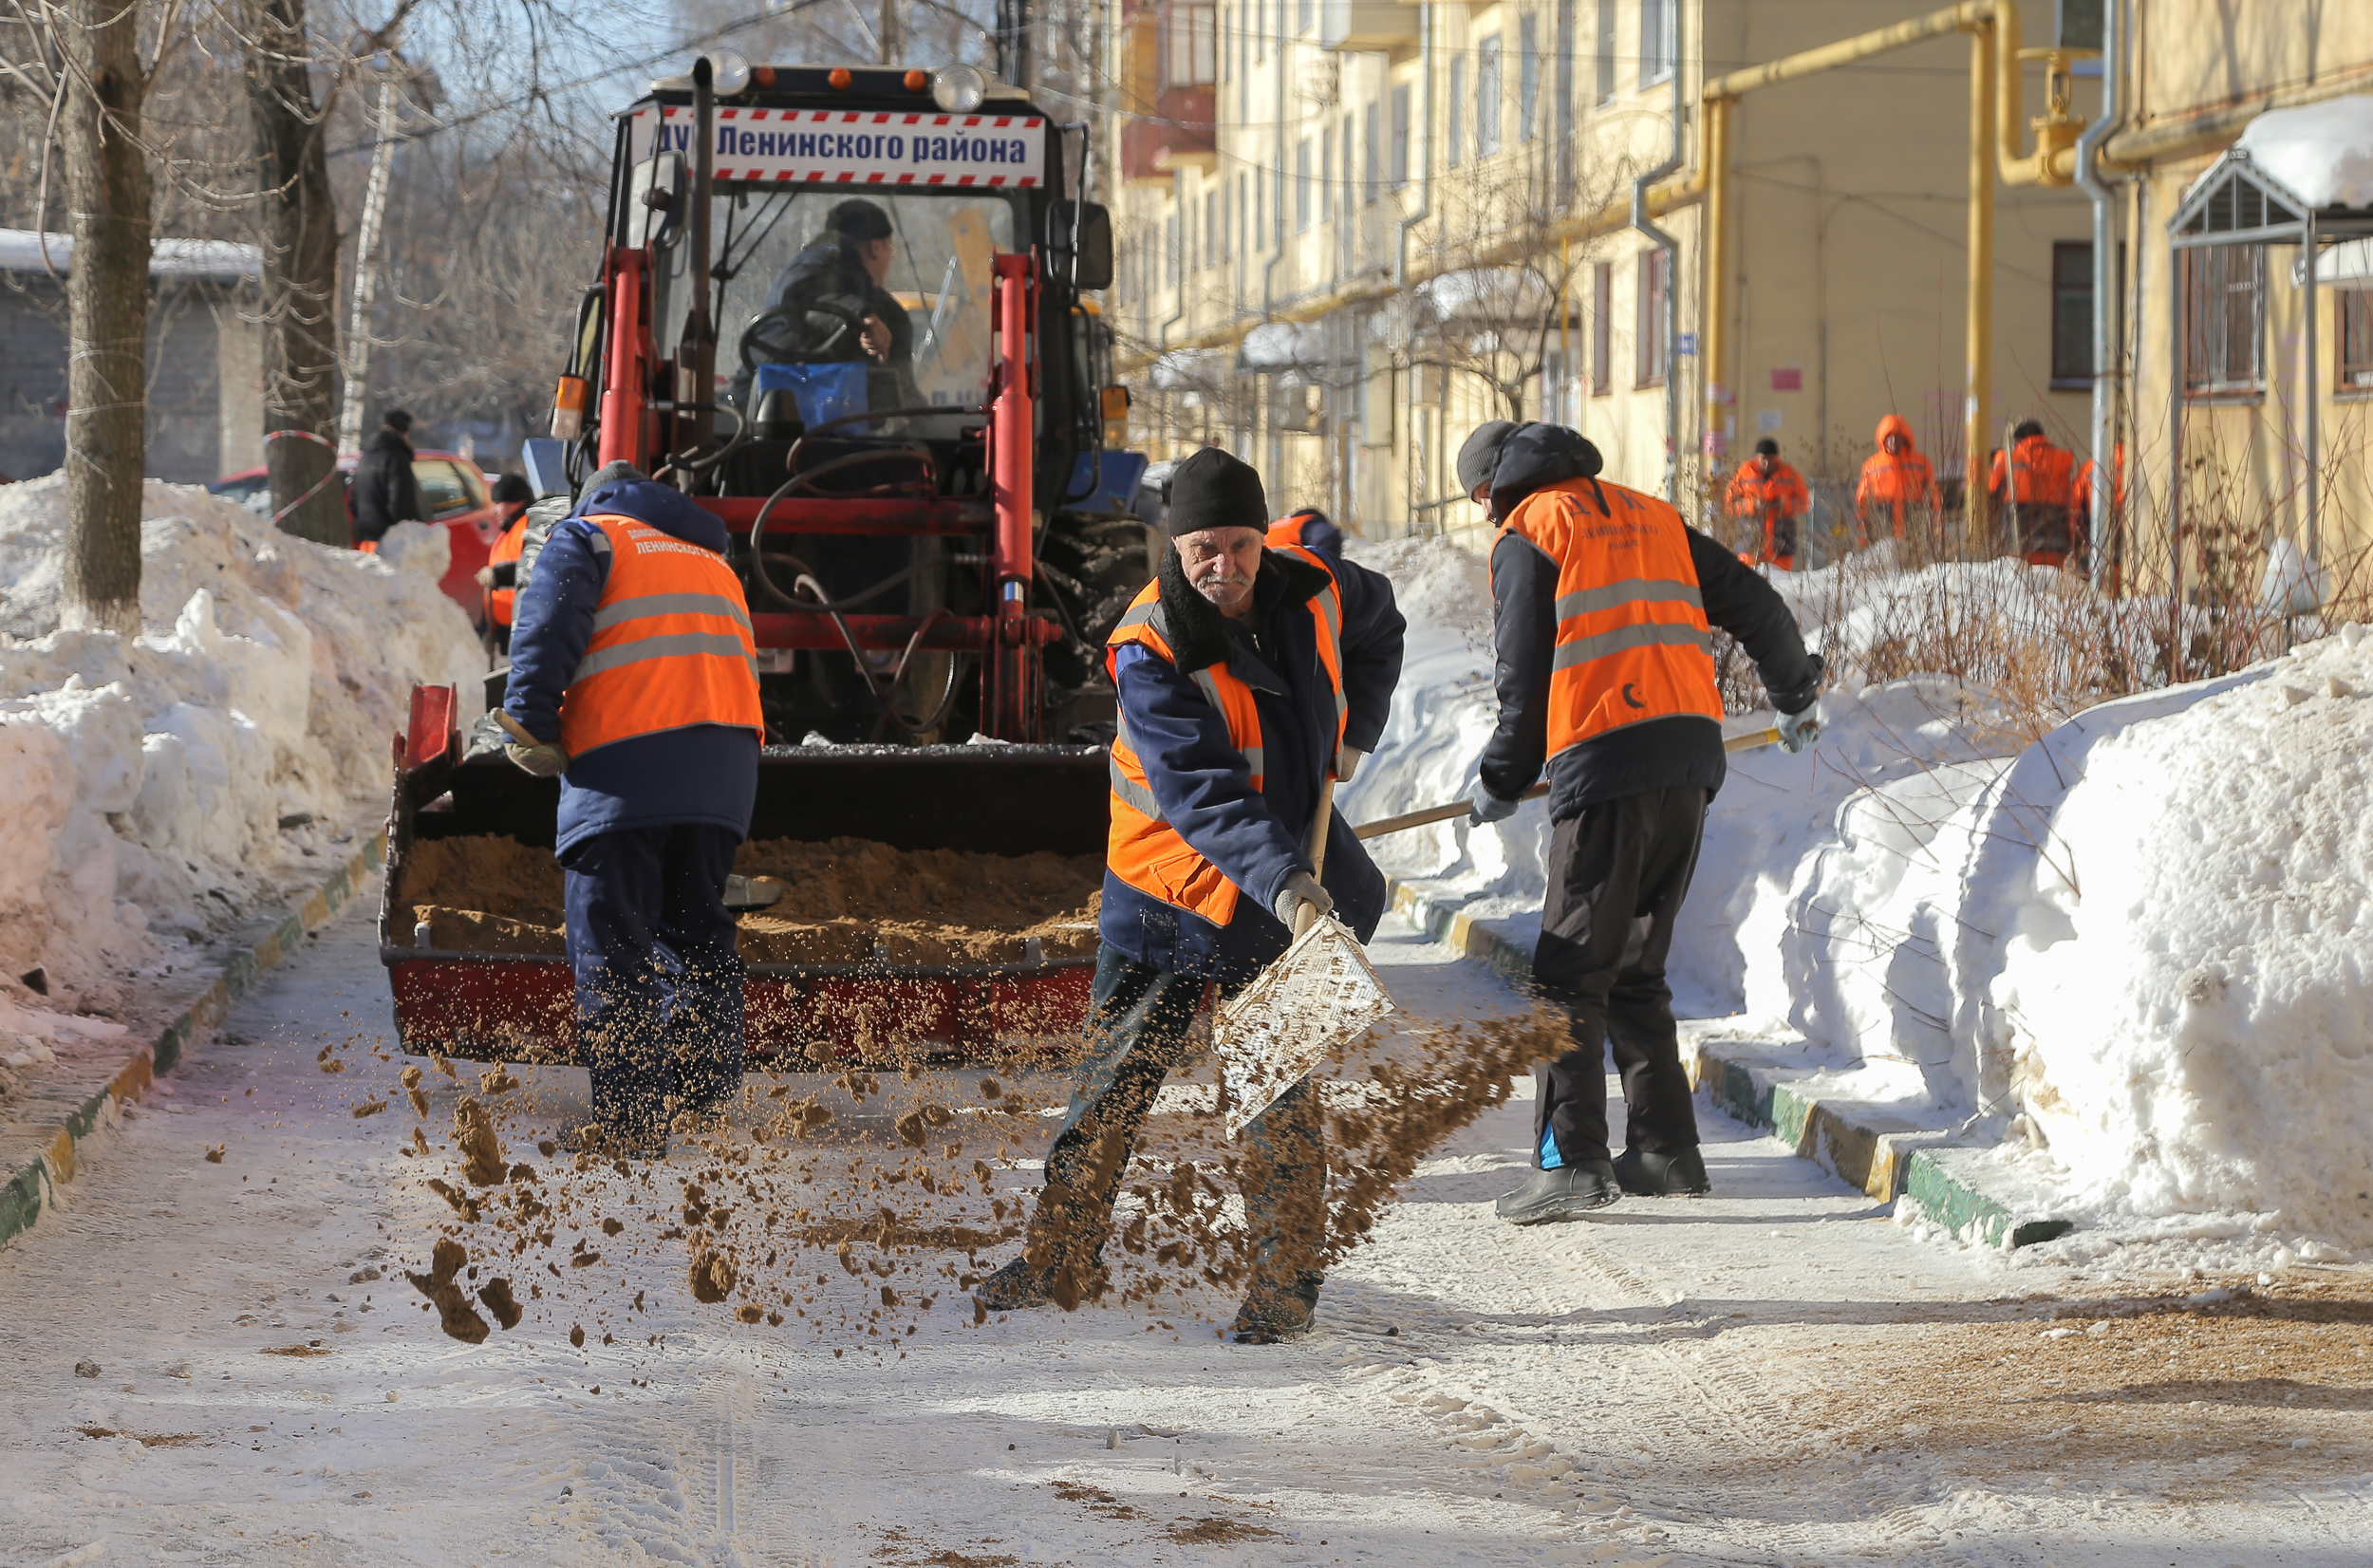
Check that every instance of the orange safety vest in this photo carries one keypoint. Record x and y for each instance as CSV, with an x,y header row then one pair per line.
x,y
671,643
1633,639
2033,473
1287,531
500,601
1141,848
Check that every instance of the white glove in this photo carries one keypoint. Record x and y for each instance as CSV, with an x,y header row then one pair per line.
x,y
544,761
1302,901
1486,806
1800,730
1347,765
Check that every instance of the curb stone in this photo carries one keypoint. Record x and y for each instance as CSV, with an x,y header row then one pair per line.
x,y
1845,1139
33,1187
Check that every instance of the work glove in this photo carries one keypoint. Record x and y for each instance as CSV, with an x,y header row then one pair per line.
x,y
1347,764
1302,901
1800,729
544,758
1485,807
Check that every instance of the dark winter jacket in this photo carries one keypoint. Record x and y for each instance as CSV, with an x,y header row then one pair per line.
x,y
1684,749
385,493
1203,784
705,773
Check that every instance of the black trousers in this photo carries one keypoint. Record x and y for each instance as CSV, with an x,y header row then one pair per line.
x,y
1617,873
1136,1031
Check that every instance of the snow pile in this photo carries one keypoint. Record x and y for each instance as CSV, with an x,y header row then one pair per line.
x,y
2321,151
148,782
2138,932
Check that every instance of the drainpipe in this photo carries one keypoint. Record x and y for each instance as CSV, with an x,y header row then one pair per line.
x,y
1672,249
2088,179
1422,148
1276,189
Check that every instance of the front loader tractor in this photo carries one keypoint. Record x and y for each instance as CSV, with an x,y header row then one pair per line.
x,y
846,310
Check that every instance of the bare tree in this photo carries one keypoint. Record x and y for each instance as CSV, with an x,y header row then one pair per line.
x,y
298,222
108,190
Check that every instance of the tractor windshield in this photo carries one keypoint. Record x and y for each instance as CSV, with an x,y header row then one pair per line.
x,y
850,303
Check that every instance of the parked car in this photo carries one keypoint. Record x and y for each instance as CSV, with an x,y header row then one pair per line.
x,y
453,492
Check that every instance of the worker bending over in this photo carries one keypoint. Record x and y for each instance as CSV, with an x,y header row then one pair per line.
x,y
633,676
2032,482
1603,602
1308,527
1772,496
1246,677
1896,478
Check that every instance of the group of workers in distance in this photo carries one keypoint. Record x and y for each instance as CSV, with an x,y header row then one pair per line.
x,y
1257,665
2040,493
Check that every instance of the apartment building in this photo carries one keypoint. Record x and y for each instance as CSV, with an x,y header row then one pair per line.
x,y
1351,230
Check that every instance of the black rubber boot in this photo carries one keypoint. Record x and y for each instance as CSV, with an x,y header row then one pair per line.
x,y
1274,1313
1569,1192
1676,1175
1015,1287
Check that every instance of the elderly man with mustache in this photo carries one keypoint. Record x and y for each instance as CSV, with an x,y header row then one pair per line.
x,y
1247,676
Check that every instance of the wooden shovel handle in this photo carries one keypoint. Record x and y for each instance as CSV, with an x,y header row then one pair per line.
x,y
1752,740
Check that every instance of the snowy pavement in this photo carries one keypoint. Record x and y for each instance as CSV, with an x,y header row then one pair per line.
x,y
1776,1375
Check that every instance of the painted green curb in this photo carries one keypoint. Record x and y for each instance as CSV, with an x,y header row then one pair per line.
x,y
1885,1163
33,1187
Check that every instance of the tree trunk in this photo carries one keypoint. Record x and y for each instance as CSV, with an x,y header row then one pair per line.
x,y
107,437
299,223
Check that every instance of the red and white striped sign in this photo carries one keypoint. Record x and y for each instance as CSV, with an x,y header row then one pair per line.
x,y
858,147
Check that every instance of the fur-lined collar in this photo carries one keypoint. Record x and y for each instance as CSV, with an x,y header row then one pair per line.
x,y
1197,632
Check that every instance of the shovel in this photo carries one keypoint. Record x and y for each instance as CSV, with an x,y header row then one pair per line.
x,y
1320,995
1752,740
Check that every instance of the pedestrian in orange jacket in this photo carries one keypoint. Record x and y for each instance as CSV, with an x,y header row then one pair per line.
x,y
2032,482
1773,495
499,575
1897,476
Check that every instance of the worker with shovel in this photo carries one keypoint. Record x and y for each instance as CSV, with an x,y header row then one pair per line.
x,y
1247,677
1603,603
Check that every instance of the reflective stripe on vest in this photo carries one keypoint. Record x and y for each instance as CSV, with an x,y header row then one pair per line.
x,y
1633,641
1142,848
671,645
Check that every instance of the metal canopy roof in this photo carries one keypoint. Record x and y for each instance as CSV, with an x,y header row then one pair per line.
x,y
2237,202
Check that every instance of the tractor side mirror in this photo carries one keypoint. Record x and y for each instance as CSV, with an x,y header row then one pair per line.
x,y
655,203
1079,236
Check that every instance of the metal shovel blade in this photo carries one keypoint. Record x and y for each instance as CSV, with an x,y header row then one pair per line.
x,y
1320,995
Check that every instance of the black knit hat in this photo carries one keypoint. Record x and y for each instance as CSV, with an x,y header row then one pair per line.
x,y
859,220
1215,488
398,420
514,487
1767,448
1480,455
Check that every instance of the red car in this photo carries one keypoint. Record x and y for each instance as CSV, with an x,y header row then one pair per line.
x,y
453,492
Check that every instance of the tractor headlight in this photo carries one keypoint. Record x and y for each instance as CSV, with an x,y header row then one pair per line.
x,y
959,89
729,73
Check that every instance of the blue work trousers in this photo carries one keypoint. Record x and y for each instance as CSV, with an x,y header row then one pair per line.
x,y
658,978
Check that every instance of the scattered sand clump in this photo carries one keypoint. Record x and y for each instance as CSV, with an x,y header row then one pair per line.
x,y
843,899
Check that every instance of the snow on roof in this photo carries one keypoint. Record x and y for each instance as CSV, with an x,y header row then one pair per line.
x,y
1278,344
1486,291
2323,151
21,251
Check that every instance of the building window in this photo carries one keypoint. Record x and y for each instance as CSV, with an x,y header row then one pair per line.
x,y
1326,174
1301,186
1260,208
1488,97
1655,281
1189,48
1602,329
1606,51
1302,10
1655,39
1527,76
1210,228
1400,136
1169,251
1457,111
2354,340
2224,320
1236,228
1259,30
1375,164
2073,312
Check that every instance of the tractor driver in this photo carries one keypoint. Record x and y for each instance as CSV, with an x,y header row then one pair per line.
x,y
828,306
1246,676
